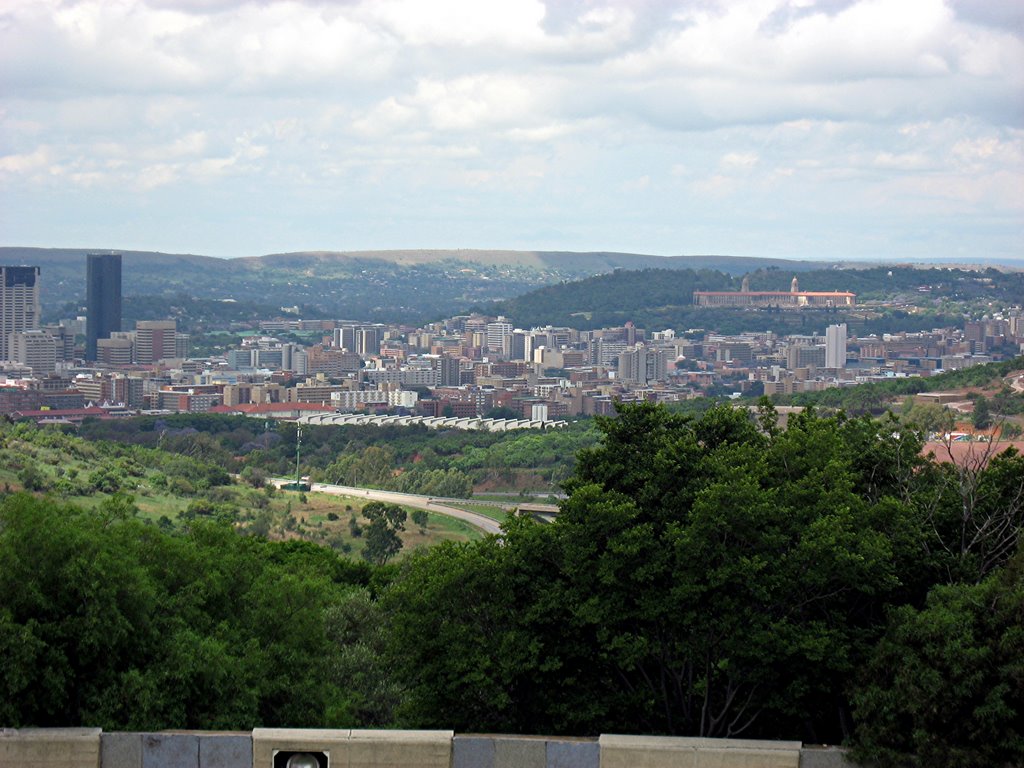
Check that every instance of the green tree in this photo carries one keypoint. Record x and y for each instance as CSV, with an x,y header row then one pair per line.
x,y
705,576
420,518
32,478
944,686
113,623
982,416
382,540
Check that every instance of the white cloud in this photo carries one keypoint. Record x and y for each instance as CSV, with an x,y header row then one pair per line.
x,y
521,109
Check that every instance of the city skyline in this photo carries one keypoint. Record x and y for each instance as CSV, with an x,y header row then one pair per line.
x,y
832,130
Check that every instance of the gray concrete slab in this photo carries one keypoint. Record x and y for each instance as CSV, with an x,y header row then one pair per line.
x,y
170,750
225,750
121,750
573,754
521,752
50,747
473,752
825,757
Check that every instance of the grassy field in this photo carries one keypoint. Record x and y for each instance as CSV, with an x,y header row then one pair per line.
x,y
313,521
86,475
487,510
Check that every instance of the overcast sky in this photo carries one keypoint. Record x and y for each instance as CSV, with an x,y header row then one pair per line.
x,y
832,129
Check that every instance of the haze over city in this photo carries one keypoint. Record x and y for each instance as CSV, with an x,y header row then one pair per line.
x,y
864,130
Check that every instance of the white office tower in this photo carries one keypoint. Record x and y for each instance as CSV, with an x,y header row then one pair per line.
x,y
835,346
498,337
19,304
36,349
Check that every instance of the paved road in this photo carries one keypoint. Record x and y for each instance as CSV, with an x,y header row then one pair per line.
x,y
484,523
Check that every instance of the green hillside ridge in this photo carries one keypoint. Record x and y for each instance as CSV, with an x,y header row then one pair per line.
x,y
185,480
659,298
395,286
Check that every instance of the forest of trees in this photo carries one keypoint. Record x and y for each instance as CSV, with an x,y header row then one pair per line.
x,y
707,575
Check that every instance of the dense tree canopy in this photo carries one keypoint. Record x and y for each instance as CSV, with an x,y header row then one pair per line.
x,y
710,577
108,622
708,574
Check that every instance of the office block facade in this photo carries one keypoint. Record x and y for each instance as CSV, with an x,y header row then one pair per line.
x,y
19,304
102,298
155,340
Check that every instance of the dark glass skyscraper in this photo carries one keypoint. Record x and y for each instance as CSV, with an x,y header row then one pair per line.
x,y
102,299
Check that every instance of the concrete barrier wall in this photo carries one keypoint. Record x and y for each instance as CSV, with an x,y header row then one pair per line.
x,y
669,752
50,747
524,752
90,748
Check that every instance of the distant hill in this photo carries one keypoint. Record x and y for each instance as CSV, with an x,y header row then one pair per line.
x,y
399,286
657,299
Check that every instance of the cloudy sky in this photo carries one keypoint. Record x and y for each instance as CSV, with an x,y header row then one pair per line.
x,y
791,128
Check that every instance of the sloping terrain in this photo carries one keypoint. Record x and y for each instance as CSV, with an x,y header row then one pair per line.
x,y
396,286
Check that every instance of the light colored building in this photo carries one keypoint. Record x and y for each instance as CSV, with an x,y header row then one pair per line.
x,y
642,365
114,353
19,304
36,349
835,346
793,299
499,337
155,340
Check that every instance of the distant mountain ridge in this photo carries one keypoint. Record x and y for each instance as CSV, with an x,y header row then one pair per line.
x,y
395,285
409,286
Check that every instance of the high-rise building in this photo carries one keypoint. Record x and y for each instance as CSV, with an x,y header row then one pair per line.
x,y
835,346
498,336
19,304
115,352
36,349
155,340
449,371
65,341
102,299
642,365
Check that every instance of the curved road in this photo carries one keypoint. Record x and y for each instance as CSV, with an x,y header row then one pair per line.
x,y
484,523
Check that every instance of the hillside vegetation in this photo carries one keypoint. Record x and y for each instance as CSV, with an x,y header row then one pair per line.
x,y
710,576
385,286
184,477
876,397
659,298
412,459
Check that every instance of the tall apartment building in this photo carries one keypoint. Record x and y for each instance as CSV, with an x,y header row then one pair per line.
x,y
19,304
498,336
642,365
449,371
835,346
155,340
364,340
36,349
805,356
102,299
64,338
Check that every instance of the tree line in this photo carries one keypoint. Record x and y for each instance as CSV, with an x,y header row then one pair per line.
x,y
707,575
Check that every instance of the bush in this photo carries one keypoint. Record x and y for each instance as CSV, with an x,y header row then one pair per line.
x,y
944,686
